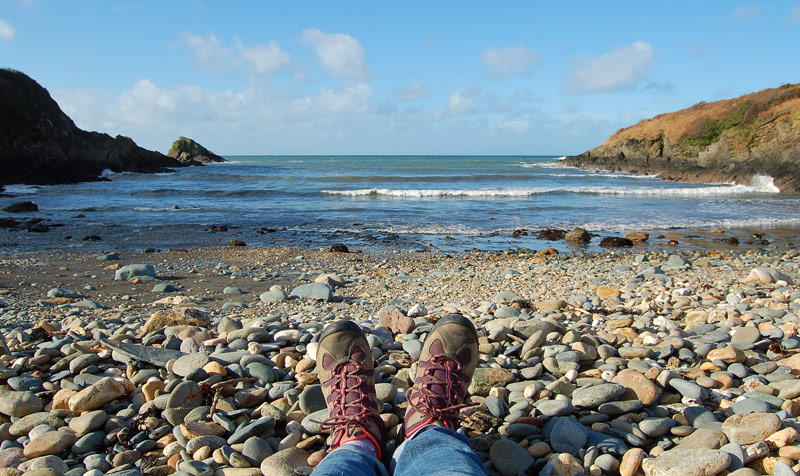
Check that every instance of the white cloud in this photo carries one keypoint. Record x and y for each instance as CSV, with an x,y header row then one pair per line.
x,y
345,99
263,59
746,11
6,31
341,55
414,92
620,68
511,60
463,101
210,53
794,15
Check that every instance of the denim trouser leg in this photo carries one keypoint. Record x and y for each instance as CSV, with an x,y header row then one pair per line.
x,y
437,451
350,460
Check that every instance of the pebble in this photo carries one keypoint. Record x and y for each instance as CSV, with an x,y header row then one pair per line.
x,y
688,462
509,458
618,383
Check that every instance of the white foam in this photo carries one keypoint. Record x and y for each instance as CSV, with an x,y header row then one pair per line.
x,y
764,183
698,191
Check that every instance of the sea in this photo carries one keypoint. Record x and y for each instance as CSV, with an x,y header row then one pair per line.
x,y
404,203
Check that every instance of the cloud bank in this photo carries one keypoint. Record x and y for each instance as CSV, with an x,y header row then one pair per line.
x,y
621,68
511,60
6,31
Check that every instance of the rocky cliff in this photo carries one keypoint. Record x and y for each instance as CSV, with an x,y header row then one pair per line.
x,y
189,152
39,144
731,140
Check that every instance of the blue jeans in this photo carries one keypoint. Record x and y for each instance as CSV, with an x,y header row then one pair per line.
x,y
432,451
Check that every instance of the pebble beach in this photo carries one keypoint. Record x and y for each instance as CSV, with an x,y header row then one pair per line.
x,y
201,362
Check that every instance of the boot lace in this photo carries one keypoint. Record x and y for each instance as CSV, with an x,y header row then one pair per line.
x,y
352,409
439,392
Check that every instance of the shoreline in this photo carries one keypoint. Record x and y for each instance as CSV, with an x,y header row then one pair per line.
x,y
97,238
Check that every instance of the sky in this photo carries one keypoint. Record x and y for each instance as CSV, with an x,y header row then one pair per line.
x,y
392,78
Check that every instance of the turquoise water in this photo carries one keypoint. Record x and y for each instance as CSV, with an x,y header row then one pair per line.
x,y
454,202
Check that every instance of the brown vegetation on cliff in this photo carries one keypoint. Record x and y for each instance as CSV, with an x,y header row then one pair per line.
x,y
722,141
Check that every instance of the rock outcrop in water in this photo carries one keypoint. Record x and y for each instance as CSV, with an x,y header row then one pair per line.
x,y
731,140
39,144
189,152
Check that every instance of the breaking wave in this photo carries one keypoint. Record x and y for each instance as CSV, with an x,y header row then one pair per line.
x,y
701,191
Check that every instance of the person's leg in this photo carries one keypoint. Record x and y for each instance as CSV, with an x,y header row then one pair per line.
x,y
446,364
345,368
436,451
350,459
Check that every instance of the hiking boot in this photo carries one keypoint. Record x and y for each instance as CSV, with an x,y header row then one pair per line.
x,y
345,368
444,372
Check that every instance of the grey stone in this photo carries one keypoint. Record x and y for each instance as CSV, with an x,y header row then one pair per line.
x,y
62,293
124,352
750,428
283,462
655,427
749,405
128,272
26,383
261,371
311,399
688,462
253,428
273,296
256,450
782,469
164,288
196,468
689,389
503,312
89,442
317,291
553,408
495,406
509,458
566,434
19,404
620,408
189,363
737,455
606,443
595,395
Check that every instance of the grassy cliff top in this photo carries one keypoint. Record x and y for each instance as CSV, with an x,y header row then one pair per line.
x,y
740,120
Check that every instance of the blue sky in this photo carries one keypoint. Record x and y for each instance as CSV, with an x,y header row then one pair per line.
x,y
510,77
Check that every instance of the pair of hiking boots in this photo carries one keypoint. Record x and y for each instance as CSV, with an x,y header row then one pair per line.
x,y
346,371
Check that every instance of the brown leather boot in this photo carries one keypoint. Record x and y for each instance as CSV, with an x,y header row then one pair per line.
x,y
345,368
446,364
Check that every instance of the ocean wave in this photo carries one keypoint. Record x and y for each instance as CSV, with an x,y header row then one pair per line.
x,y
669,223
22,189
422,178
700,191
207,193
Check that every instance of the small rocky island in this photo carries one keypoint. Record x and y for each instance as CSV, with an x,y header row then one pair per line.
x,y
39,144
731,140
188,152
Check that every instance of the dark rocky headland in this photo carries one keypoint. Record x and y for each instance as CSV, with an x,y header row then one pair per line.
x,y
723,141
39,144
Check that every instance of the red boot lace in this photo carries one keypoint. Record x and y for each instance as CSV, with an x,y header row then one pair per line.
x,y
439,391
351,409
